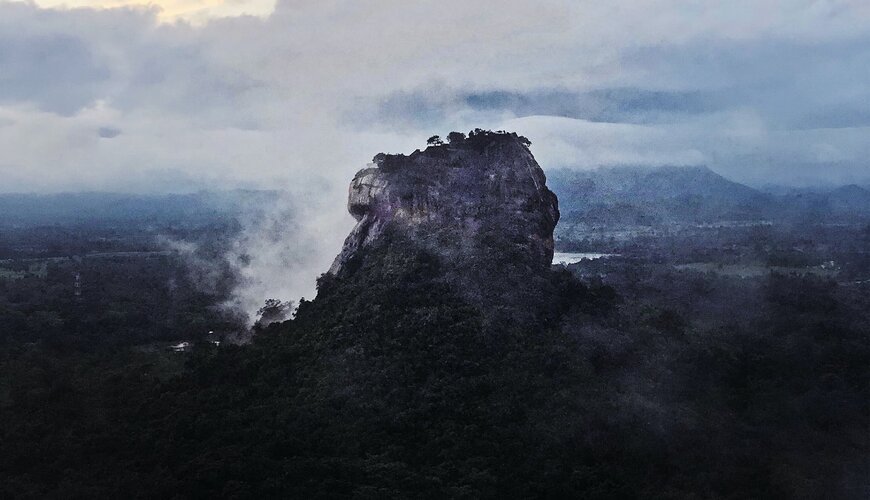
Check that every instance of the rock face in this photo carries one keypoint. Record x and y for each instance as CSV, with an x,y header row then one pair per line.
x,y
477,199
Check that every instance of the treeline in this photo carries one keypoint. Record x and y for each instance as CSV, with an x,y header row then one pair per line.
x,y
90,287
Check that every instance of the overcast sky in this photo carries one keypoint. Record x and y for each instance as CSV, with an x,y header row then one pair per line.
x,y
301,94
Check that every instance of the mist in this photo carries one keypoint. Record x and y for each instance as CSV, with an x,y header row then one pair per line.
x,y
278,246
279,253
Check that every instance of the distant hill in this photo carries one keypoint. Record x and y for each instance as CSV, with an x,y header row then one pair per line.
x,y
851,198
651,196
843,203
654,195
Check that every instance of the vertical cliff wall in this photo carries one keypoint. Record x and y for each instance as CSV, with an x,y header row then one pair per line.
x,y
459,200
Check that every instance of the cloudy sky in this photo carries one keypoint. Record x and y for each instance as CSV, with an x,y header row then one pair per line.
x,y
179,95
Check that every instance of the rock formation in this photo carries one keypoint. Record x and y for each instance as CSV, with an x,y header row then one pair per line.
x,y
478,205
463,201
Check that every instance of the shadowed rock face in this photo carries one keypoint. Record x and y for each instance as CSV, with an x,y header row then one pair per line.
x,y
475,200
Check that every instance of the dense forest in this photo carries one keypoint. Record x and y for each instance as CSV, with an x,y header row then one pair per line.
x,y
675,369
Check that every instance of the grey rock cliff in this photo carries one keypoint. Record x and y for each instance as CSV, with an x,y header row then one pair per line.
x,y
468,202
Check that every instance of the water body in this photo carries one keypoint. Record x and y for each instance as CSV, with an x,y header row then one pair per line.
x,y
565,258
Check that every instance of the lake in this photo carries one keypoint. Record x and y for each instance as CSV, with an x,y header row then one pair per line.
x,y
565,258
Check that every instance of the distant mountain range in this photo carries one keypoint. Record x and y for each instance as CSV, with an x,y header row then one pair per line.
x,y
117,208
649,196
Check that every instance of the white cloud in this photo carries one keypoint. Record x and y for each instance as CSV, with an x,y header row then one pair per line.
x,y
192,11
307,91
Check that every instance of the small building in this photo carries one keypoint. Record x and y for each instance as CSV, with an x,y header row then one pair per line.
x,y
180,347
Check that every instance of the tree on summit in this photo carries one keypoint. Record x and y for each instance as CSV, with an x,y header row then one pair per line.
x,y
434,141
455,137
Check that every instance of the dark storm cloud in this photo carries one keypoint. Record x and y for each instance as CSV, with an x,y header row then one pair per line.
x,y
108,132
618,105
